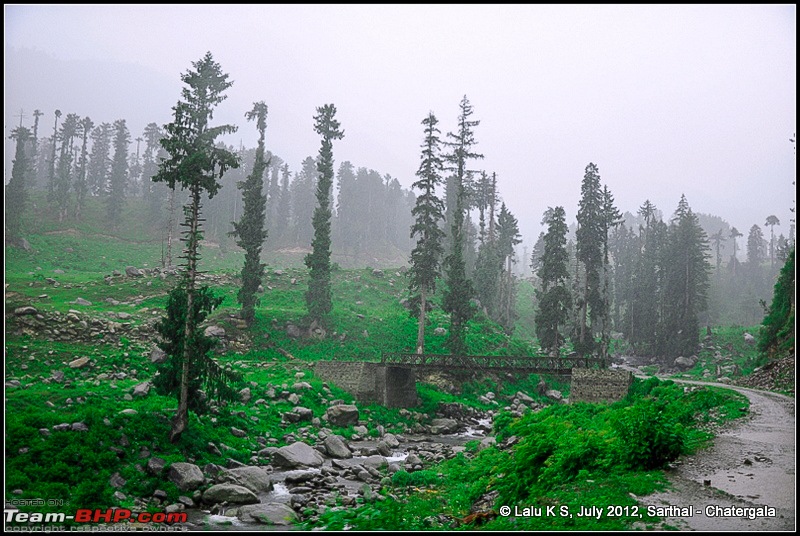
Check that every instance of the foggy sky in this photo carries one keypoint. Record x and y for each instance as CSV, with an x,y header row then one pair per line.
x,y
666,100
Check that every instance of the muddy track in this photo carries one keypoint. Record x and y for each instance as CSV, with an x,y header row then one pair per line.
x,y
751,464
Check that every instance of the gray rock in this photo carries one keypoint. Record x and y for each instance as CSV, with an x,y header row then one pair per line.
x,y
81,301
391,441
254,478
376,461
245,395
156,465
230,493
685,363
553,394
293,331
336,447
342,415
298,454
443,426
132,271
79,427
214,331
116,481
128,411
187,476
79,363
439,332
749,339
523,397
26,310
270,514
142,389
157,355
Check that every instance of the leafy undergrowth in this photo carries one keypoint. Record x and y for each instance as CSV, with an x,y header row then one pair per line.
x,y
557,463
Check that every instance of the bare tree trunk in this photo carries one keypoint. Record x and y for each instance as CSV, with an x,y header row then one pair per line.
x,y
170,225
421,326
181,420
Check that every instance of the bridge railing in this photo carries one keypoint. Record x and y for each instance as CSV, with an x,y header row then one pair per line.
x,y
532,363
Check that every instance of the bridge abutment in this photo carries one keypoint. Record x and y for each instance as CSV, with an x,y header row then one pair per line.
x,y
393,387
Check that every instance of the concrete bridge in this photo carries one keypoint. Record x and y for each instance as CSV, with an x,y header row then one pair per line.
x,y
392,381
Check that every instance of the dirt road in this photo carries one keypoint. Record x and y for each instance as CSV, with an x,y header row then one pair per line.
x,y
751,464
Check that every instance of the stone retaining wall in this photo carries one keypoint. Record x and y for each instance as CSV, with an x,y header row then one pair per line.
x,y
393,387
594,385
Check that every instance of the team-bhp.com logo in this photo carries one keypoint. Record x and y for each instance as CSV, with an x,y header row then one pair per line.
x,y
86,515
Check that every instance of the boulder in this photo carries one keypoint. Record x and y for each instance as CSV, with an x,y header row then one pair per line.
x,y
142,389
26,310
81,301
439,331
342,415
336,447
553,394
293,331
187,476
685,363
298,454
156,465
391,441
256,479
245,395
229,493
132,271
443,426
749,339
214,331
269,514
157,355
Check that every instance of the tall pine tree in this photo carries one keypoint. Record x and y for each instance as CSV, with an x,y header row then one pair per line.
x,y
459,288
16,189
429,212
250,228
554,296
194,163
319,296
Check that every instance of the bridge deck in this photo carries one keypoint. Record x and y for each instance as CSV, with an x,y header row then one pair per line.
x,y
531,364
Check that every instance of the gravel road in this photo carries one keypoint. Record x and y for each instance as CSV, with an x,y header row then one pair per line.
x,y
750,465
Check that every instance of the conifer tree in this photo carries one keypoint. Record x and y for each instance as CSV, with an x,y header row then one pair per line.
x,y
459,289
685,284
16,189
589,237
554,296
429,212
319,296
81,186
118,180
507,239
250,229
194,163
